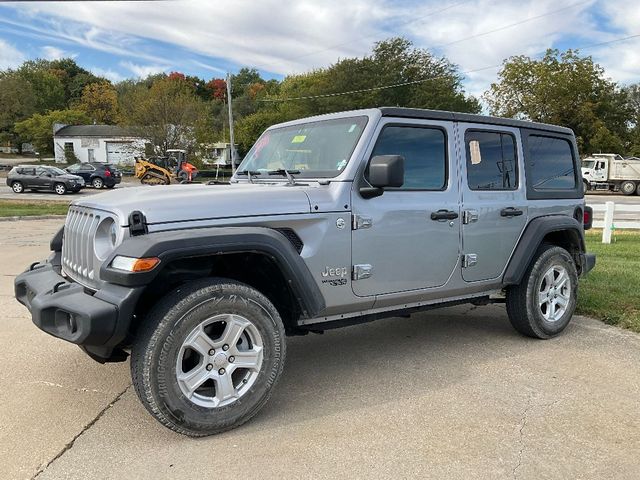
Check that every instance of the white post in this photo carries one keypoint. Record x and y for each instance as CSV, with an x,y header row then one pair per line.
x,y
608,222
231,137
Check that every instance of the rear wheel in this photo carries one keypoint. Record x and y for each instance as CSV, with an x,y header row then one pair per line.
x,y
60,188
208,357
97,182
628,187
544,302
17,187
587,187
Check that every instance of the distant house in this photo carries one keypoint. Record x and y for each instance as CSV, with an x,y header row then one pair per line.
x,y
97,143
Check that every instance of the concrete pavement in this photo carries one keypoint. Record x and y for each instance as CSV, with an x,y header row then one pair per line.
x,y
454,393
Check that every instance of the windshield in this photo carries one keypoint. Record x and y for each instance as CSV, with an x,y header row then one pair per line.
x,y
56,171
314,149
588,163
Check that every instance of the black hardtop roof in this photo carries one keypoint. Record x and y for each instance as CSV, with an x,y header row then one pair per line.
x,y
470,118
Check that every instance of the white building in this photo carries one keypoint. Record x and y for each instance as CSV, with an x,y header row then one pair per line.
x,y
97,143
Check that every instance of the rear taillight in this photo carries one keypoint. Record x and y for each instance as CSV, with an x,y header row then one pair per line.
x,y
107,173
588,218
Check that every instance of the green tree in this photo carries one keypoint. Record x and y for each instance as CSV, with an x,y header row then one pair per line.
x,y
166,113
38,129
564,89
100,102
48,89
632,95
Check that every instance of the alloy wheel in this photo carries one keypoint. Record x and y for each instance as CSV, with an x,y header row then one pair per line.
x,y
219,360
554,293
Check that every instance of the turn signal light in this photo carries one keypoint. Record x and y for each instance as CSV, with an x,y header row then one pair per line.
x,y
130,264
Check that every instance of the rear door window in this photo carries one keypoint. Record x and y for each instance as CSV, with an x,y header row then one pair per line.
x,y
491,160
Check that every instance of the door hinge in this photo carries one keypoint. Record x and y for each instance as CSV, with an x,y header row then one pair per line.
x,y
469,216
360,272
469,260
360,221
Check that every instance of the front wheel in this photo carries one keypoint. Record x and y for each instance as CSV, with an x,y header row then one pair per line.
x,y
17,187
544,302
60,188
208,356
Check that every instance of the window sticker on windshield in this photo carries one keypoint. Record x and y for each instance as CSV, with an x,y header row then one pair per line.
x,y
353,127
299,139
341,165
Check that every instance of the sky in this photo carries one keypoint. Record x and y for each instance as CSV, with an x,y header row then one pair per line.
x,y
131,39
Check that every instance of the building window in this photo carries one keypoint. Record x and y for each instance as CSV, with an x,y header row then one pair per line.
x,y
68,147
91,155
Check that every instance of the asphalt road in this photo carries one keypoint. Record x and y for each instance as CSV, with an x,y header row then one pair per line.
x,y
454,394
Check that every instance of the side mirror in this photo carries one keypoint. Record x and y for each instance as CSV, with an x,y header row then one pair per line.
x,y
384,171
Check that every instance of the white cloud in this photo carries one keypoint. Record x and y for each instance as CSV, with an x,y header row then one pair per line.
x,y
107,73
10,57
289,36
143,71
55,53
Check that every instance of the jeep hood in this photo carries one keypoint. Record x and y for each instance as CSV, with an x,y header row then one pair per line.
x,y
174,203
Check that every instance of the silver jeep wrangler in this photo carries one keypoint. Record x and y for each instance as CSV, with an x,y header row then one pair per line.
x,y
329,221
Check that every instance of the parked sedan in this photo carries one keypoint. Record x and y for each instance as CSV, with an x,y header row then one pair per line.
x,y
35,177
96,174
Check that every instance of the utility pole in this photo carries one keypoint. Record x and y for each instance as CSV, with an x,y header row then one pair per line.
x,y
231,138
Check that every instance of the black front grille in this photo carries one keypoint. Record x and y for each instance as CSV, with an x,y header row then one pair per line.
x,y
292,237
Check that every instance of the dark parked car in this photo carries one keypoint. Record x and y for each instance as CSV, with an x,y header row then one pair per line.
x,y
34,177
97,175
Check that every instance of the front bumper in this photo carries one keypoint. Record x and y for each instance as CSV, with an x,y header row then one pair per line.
x,y
97,321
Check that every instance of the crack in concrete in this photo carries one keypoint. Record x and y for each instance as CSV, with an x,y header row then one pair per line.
x,y
523,423
69,445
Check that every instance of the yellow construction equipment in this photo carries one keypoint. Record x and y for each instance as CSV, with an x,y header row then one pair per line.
x,y
170,168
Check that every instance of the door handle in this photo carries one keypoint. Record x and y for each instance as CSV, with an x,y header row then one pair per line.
x,y
510,212
444,215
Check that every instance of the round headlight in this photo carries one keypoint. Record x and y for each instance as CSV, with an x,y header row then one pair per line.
x,y
105,239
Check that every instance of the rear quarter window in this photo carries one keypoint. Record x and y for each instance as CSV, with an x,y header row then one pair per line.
x,y
551,166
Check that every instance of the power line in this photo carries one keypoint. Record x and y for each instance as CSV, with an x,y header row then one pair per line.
x,y
415,19
505,27
413,82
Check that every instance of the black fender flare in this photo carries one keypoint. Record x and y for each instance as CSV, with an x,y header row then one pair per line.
x,y
176,244
531,239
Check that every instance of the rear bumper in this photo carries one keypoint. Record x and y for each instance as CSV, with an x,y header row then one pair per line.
x,y
98,321
110,181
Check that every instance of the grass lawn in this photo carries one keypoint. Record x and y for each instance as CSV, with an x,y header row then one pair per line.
x,y
12,208
611,291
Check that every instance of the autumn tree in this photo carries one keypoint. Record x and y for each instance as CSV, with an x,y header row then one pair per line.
x,y
563,89
100,102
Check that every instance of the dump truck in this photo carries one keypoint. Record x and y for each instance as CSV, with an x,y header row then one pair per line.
x,y
611,172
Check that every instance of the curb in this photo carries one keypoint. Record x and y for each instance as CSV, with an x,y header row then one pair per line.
x,y
32,217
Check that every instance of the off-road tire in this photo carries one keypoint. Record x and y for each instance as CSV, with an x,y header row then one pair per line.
x,y
522,300
628,187
17,187
97,182
157,344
